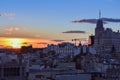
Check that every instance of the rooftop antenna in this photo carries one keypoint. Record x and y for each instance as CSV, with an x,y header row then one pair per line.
x,y
99,14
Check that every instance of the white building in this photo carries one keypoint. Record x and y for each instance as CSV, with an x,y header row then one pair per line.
x,y
66,48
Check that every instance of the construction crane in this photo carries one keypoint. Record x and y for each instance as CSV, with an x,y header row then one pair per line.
x,y
75,41
78,40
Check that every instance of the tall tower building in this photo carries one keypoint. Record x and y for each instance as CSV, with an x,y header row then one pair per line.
x,y
99,26
105,39
99,30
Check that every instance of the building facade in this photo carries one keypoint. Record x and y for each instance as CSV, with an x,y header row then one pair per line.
x,y
11,67
106,39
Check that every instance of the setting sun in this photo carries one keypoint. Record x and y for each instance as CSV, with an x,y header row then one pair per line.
x,y
15,42
18,42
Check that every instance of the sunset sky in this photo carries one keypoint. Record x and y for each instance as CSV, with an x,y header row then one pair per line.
x,y
42,22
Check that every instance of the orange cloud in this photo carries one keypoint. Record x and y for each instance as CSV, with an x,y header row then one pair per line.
x,y
37,36
9,14
17,32
10,30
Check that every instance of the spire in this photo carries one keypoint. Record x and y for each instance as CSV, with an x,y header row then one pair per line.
x,y
99,14
100,22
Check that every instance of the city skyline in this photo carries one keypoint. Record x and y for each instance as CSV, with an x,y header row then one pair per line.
x,y
47,21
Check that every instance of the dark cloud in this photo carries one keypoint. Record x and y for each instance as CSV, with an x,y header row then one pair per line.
x,y
58,40
34,42
94,21
0,14
76,31
110,20
24,43
42,43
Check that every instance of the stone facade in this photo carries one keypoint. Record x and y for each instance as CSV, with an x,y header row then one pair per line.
x,y
106,40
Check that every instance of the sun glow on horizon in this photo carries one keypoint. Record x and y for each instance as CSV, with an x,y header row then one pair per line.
x,y
19,42
15,42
